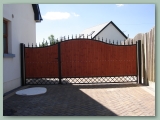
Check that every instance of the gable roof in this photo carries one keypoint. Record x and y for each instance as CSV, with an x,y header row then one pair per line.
x,y
37,13
99,28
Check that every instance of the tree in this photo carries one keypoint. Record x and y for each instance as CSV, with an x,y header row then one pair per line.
x,y
40,45
46,43
43,43
51,39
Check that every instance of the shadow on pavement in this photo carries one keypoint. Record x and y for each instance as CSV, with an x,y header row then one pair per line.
x,y
59,100
106,85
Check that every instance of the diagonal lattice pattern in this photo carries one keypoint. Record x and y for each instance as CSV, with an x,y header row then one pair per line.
x,y
100,80
86,80
44,81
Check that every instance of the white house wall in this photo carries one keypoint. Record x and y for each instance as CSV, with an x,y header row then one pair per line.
x,y
110,32
22,29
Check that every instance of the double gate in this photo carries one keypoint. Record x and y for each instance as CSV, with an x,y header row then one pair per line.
x,y
80,61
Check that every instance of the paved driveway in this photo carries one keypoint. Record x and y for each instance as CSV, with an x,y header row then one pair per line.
x,y
83,100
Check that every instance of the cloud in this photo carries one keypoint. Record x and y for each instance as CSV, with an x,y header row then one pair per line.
x,y
119,5
76,15
56,15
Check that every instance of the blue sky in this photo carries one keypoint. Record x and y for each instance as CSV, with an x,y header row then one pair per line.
x,y
67,19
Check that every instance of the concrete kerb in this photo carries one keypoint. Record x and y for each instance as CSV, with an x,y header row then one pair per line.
x,y
150,89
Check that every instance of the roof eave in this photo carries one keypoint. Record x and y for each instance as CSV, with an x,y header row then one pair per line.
x,y
119,30
114,26
37,13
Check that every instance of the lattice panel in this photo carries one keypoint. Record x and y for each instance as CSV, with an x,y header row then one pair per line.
x,y
44,81
100,80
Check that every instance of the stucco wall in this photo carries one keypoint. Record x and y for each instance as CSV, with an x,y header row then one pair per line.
x,y
22,29
110,32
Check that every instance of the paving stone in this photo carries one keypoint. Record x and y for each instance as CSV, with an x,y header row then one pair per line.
x,y
83,100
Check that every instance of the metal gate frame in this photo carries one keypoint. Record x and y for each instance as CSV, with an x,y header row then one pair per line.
x,y
23,77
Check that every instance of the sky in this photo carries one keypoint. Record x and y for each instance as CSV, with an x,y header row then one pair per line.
x,y
71,19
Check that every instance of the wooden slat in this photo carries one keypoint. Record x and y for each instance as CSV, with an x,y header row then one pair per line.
x,y
96,58
148,53
41,62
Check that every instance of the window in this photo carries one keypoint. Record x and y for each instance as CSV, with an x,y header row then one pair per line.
x,y
5,36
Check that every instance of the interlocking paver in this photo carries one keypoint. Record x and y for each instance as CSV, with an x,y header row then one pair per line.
x,y
83,100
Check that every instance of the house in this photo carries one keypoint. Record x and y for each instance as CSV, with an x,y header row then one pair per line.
x,y
19,26
107,31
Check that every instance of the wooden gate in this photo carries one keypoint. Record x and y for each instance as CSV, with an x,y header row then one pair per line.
x,y
80,61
